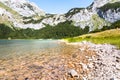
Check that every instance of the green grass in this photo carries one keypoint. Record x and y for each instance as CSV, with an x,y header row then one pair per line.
x,y
108,36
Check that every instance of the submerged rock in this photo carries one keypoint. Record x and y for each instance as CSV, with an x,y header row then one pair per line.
x,y
84,66
73,73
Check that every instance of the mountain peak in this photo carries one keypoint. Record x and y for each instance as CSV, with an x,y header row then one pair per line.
x,y
14,1
95,16
24,7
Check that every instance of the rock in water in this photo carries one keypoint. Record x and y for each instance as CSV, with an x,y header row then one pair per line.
x,y
73,73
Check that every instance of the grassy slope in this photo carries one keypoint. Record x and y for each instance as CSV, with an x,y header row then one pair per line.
x,y
5,19
8,9
108,36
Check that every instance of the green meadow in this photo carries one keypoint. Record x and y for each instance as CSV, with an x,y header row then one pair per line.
x,y
109,36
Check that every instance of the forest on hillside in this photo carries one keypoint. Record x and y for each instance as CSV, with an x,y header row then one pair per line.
x,y
62,30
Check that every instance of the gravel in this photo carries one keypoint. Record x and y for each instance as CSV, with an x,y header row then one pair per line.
x,y
106,64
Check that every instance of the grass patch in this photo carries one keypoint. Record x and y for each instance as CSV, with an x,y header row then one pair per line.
x,y
108,36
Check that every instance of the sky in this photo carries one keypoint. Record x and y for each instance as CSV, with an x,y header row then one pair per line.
x,y
60,6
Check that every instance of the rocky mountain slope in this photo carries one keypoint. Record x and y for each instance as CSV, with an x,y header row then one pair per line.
x,y
17,12
24,14
23,7
110,12
92,16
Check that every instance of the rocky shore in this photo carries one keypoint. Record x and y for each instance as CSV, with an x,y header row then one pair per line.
x,y
77,61
105,65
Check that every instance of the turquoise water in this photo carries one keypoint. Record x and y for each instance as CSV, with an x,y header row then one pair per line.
x,y
10,48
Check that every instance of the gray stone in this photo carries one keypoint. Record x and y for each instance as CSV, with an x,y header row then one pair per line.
x,y
73,73
118,66
84,66
105,66
113,79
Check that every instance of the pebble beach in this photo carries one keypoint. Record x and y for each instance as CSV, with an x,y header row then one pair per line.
x,y
77,61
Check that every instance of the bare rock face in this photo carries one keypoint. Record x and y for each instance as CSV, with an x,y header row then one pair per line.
x,y
17,10
54,20
91,16
110,14
88,18
99,3
24,7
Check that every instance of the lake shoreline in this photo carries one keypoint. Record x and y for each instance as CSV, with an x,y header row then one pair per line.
x,y
101,62
82,60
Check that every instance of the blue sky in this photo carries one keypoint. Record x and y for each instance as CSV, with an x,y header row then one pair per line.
x,y
60,6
